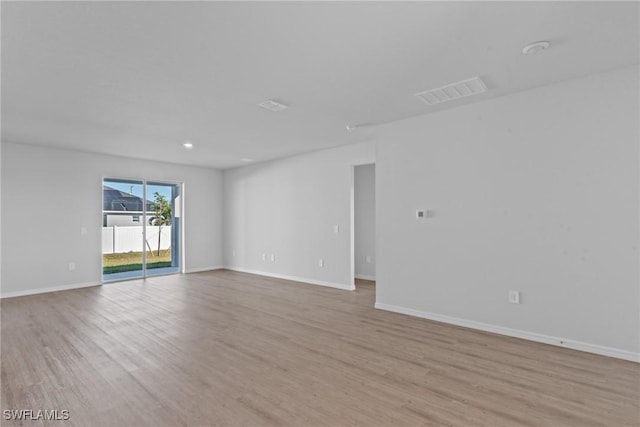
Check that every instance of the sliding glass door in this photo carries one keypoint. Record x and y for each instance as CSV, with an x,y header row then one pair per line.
x,y
140,228
163,229
123,211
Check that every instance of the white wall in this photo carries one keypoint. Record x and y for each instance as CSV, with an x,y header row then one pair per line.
x,y
536,192
365,221
288,208
42,186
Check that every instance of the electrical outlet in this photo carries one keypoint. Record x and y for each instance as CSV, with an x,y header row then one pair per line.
x,y
514,297
83,231
368,259
320,262
72,266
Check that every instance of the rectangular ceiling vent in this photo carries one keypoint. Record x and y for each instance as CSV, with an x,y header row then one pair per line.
x,y
272,105
450,92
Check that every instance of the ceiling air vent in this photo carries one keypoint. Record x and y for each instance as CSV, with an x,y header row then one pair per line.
x,y
453,91
272,105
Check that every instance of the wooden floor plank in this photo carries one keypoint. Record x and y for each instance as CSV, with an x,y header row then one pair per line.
x,y
232,349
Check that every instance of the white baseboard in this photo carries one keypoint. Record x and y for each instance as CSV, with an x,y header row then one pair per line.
x,y
365,277
46,290
294,278
531,336
199,270
81,285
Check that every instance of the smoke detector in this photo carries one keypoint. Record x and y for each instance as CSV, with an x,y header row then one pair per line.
x,y
272,105
452,91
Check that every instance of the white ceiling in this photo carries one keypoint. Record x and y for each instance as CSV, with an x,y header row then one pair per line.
x,y
138,79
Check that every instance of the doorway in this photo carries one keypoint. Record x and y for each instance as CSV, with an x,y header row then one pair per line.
x,y
141,228
364,225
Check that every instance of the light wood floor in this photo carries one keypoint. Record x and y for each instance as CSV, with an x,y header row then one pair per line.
x,y
224,348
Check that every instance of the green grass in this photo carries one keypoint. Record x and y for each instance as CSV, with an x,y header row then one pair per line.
x,y
132,261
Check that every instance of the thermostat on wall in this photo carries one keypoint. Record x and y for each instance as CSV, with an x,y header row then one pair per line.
x,y
422,214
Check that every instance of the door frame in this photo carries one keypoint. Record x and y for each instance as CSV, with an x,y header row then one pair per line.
x,y
352,222
182,257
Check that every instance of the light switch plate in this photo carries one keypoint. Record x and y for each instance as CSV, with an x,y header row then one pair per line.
x,y
514,297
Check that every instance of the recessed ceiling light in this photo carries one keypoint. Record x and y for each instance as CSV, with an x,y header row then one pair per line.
x,y
272,105
535,47
187,145
246,160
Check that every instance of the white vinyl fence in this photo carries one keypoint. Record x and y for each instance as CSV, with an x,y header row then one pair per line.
x,y
129,239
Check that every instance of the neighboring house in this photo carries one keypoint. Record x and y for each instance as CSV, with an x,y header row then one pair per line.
x,y
121,209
